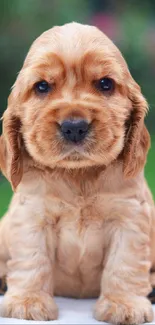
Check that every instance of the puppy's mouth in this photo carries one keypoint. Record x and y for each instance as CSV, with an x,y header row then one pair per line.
x,y
74,152
75,156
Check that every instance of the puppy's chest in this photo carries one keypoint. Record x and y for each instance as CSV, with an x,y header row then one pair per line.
x,y
77,223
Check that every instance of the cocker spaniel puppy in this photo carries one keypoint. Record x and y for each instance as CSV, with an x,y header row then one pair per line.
x,y
74,146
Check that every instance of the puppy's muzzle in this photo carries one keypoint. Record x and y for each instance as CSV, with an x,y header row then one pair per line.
x,y
74,130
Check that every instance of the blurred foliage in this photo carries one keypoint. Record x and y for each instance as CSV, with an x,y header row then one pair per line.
x,y
130,24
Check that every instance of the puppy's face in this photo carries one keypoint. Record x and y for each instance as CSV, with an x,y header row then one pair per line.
x,y
73,98
74,102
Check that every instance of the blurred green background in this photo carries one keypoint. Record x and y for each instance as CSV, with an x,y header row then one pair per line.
x,y
130,24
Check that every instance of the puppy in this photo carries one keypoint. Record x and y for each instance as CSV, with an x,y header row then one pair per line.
x,y
74,145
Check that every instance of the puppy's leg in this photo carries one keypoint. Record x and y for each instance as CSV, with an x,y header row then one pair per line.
x,y
125,280
152,245
4,252
30,281
152,279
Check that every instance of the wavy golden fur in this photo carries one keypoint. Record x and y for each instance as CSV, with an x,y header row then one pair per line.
x,y
81,221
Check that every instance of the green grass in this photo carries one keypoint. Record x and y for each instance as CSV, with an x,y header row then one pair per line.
x,y
6,192
5,195
150,168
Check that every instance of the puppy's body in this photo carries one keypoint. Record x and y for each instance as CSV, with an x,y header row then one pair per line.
x,y
81,222
69,222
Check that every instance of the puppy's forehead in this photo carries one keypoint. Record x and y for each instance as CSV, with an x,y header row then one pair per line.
x,y
71,42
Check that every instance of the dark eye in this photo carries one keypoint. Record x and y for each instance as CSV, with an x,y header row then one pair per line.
x,y
105,84
42,87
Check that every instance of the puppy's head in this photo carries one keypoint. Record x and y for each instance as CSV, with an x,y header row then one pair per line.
x,y
75,104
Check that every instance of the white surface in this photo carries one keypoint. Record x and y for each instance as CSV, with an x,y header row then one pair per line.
x,y
71,311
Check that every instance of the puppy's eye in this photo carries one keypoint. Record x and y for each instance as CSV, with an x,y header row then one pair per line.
x,y
42,87
105,84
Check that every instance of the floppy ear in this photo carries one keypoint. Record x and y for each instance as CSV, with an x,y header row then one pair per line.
x,y
11,146
137,140
2,155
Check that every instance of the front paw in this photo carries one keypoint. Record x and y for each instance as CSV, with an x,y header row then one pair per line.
x,y
31,306
128,310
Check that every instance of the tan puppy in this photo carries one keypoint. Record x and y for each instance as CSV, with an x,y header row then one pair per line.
x,y
74,145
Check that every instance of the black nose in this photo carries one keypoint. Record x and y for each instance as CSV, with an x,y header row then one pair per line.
x,y
74,130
